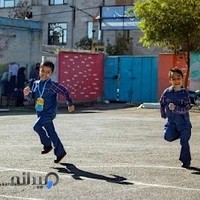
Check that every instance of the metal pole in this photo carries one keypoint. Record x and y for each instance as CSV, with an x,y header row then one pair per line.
x,y
73,24
103,4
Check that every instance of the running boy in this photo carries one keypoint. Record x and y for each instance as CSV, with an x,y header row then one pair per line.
x,y
175,105
44,91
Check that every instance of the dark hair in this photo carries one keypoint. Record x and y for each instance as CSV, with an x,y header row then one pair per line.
x,y
175,70
37,66
48,64
21,71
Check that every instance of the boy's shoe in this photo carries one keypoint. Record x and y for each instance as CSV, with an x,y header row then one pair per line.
x,y
59,158
46,150
187,166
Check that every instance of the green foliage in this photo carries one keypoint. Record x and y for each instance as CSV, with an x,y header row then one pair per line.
x,y
120,48
110,49
85,43
174,24
3,68
170,23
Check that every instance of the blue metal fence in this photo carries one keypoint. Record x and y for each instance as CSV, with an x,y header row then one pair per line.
x,y
131,78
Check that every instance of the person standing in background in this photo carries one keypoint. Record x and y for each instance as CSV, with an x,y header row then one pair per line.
x,y
34,74
21,83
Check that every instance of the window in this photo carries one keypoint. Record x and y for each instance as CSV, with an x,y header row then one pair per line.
x,y
57,2
8,3
93,30
57,34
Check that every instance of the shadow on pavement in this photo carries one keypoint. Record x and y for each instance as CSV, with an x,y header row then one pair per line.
x,y
195,169
62,109
78,174
109,106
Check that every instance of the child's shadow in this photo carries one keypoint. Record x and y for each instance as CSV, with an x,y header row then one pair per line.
x,y
78,173
196,170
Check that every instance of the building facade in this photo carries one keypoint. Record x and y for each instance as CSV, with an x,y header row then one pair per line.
x,y
19,42
65,22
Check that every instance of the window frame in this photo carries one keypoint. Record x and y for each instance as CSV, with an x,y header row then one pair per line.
x,y
91,25
64,36
53,2
3,3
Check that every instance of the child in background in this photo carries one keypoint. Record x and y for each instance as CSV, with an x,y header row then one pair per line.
x,y
175,105
44,91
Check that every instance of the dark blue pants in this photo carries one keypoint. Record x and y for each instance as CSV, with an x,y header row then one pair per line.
x,y
45,128
182,131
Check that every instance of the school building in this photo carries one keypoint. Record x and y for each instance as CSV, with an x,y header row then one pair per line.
x,y
62,24
54,25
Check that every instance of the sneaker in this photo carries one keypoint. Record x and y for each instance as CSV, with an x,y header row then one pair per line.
x,y
46,150
59,158
185,166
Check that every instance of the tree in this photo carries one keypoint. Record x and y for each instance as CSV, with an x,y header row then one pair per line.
x,y
85,43
170,23
120,47
22,10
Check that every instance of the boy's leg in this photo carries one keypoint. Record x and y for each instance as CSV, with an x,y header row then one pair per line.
x,y
59,149
185,156
45,140
170,132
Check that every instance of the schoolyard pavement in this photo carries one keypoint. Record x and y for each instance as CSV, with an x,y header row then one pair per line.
x,y
114,153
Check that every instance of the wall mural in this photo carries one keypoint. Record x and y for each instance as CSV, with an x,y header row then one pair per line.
x,y
195,71
3,44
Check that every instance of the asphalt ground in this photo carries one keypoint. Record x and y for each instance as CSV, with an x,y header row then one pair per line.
x,y
115,152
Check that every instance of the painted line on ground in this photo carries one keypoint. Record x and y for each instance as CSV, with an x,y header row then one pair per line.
x,y
129,166
12,197
4,169
117,166
165,186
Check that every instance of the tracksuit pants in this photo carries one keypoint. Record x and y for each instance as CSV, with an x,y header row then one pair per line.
x,y
45,128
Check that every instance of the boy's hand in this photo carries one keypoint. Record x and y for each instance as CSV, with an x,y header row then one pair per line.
x,y
163,116
26,90
71,108
171,106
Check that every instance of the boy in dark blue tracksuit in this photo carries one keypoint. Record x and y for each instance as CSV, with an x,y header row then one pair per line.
x,y
45,91
175,105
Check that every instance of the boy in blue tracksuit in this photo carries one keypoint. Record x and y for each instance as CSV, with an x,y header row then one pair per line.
x,y
45,91
175,105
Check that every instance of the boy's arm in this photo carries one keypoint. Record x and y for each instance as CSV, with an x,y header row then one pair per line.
x,y
162,106
61,89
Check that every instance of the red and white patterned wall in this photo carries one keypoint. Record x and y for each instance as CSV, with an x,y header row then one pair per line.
x,y
82,74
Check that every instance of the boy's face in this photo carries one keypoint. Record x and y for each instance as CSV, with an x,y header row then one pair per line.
x,y
176,80
45,72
